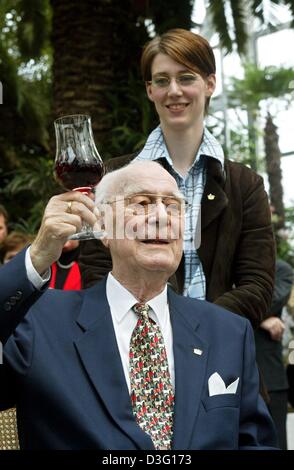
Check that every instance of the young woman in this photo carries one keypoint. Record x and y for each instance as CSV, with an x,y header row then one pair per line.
x,y
229,249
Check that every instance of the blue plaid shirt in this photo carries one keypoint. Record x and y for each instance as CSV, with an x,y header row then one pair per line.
x,y
192,187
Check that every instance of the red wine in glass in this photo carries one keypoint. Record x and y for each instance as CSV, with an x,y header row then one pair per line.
x,y
78,175
78,165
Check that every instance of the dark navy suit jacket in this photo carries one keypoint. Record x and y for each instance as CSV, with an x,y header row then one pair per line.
x,y
63,371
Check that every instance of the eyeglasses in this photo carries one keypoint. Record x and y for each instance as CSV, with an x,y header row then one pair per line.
x,y
145,204
184,80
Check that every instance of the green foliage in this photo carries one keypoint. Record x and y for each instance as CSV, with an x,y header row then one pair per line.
x,y
285,238
168,14
260,84
26,99
34,184
216,9
242,147
247,94
9,77
133,118
238,32
34,109
33,31
240,22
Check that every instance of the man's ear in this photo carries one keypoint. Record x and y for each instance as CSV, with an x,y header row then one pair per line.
x,y
149,91
210,84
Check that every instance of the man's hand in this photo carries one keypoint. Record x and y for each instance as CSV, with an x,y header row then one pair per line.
x,y
62,217
274,326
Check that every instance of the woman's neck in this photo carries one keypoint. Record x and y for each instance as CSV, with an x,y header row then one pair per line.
x,y
183,146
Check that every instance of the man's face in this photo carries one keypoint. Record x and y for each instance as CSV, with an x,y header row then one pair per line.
x,y
153,236
3,228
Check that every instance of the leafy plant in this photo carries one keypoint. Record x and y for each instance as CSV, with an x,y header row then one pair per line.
x,y
230,19
260,84
133,118
34,184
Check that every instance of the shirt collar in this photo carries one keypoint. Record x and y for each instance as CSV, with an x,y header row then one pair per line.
x,y
155,148
121,301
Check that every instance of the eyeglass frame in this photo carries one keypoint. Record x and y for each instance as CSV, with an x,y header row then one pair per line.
x,y
180,199
195,76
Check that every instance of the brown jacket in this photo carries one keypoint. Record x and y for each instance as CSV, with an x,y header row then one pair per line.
x,y
237,249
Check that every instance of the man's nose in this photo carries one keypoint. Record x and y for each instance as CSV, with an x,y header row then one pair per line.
x,y
158,213
158,221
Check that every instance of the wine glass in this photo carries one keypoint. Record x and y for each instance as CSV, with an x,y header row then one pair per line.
x,y
78,165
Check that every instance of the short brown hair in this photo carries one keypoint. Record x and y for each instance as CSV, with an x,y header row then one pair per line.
x,y
184,47
15,241
3,212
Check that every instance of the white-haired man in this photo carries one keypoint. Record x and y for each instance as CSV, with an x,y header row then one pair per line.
x,y
126,364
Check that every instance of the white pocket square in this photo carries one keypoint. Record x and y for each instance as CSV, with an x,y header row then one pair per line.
x,y
216,385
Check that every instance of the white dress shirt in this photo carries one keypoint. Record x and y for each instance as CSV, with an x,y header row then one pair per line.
x,y
33,276
124,319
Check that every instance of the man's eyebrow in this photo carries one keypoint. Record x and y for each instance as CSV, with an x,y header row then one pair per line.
x,y
144,192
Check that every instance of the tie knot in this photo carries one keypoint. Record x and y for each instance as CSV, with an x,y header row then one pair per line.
x,y
141,310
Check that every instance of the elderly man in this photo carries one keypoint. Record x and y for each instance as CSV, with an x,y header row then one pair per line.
x,y
126,364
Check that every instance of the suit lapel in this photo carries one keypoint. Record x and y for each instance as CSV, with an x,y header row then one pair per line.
x,y
100,356
214,198
190,369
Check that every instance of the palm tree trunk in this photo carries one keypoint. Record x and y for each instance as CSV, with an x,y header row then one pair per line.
x,y
82,59
93,46
274,171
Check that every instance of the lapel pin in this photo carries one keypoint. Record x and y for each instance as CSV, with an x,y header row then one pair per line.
x,y
197,351
211,197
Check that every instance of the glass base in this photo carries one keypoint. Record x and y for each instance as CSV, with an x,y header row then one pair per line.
x,y
88,235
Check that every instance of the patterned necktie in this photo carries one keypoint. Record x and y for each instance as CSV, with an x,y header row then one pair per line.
x,y
151,389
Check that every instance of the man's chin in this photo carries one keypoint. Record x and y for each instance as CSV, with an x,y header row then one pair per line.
x,y
159,264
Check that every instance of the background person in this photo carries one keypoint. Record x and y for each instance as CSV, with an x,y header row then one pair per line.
x,y
79,365
12,244
234,265
65,272
269,353
3,223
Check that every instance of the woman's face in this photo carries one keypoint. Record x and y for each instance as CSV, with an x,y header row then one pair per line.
x,y
181,104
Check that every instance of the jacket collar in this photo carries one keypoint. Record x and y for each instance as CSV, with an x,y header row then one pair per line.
x,y
214,199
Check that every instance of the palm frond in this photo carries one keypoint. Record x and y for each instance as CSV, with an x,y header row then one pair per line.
x,y
260,84
34,175
34,109
290,4
257,9
239,18
216,9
